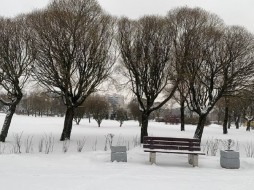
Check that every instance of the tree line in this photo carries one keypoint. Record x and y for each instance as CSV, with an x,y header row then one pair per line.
x,y
71,47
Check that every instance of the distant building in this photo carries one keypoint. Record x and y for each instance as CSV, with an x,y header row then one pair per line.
x,y
115,101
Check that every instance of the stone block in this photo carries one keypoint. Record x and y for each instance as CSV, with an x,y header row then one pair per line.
x,y
118,153
229,159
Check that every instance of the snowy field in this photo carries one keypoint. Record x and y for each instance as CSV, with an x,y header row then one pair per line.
x,y
92,169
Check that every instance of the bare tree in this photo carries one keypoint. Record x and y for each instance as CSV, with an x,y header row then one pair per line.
x,y
121,115
233,109
16,55
218,110
180,98
79,114
145,46
88,106
100,109
247,104
238,106
134,110
220,62
40,103
249,115
74,39
188,33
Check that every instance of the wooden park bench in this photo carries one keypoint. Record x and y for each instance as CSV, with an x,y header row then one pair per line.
x,y
173,145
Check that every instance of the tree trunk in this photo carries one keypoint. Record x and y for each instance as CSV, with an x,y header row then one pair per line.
x,y
225,122
237,121
218,117
66,134
99,123
144,126
248,125
229,121
200,127
77,120
7,121
182,115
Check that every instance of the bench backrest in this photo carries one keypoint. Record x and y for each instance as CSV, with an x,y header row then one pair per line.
x,y
168,143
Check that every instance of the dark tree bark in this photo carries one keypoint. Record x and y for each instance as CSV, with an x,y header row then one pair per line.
x,y
182,108
66,134
229,120
200,127
144,125
248,125
8,119
237,122
225,121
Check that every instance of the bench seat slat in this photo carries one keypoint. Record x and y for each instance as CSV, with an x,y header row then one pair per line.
x,y
172,143
175,152
164,147
171,139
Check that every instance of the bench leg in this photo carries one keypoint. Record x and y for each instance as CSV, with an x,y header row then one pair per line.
x,y
152,158
193,159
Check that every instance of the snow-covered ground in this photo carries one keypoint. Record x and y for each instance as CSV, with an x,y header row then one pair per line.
x,y
92,169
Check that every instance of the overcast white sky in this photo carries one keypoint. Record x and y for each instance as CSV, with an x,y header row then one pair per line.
x,y
233,12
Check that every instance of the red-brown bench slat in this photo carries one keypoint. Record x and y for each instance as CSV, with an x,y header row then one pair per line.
x,y
173,145
181,143
170,139
165,147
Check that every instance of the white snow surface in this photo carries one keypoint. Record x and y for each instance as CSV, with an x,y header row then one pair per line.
x,y
92,169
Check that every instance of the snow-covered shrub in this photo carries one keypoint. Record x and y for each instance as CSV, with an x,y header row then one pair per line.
x,y
49,143
81,144
120,141
94,147
66,145
29,144
249,149
40,145
2,148
136,141
16,146
228,144
211,147
108,141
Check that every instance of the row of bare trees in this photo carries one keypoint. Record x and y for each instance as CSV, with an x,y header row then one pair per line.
x,y
40,104
235,109
224,65
190,51
99,108
70,48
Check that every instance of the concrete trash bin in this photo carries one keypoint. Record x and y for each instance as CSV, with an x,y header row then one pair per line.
x,y
229,159
118,153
